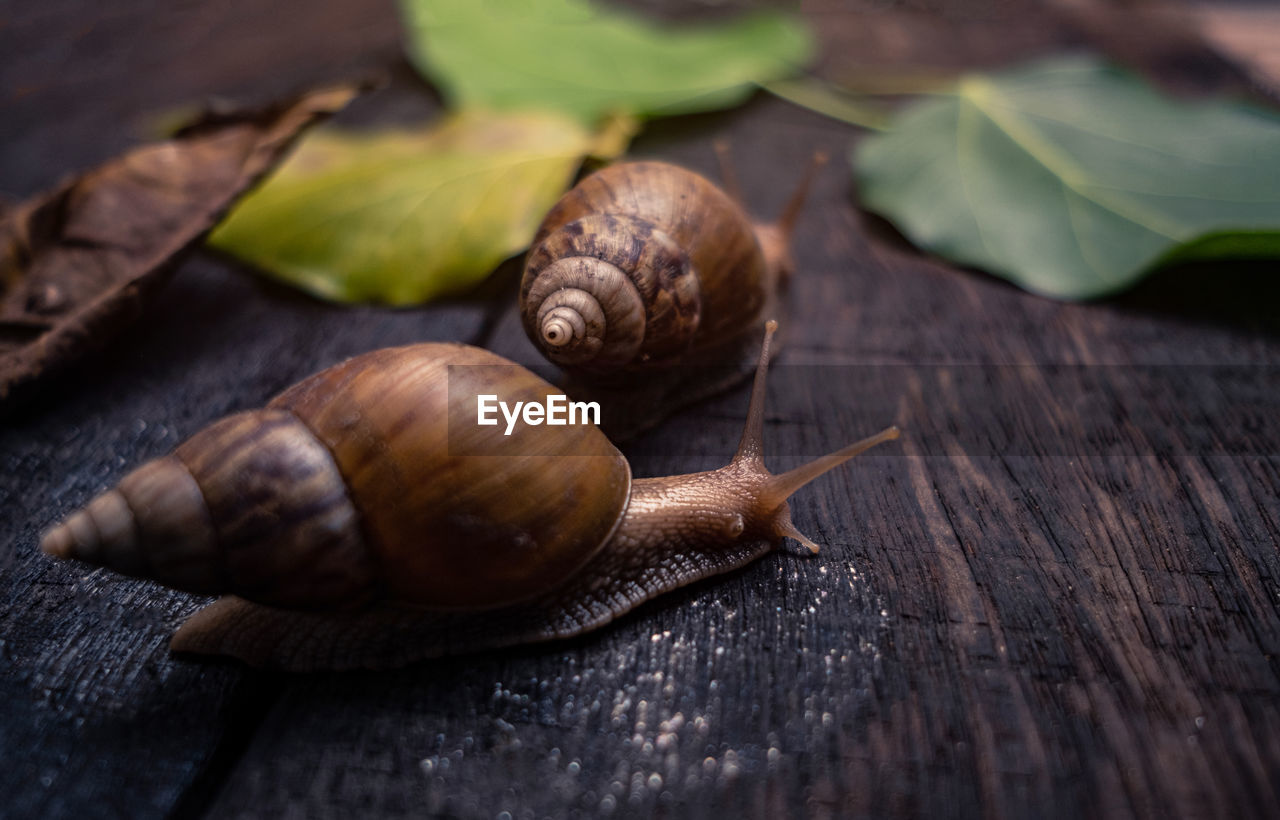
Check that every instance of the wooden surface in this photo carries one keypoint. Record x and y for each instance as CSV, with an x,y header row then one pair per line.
x,y
1056,596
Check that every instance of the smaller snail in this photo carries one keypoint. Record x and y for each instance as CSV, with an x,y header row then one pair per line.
x,y
648,285
358,521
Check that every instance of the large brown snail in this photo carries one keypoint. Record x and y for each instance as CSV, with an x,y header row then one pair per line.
x,y
363,519
649,286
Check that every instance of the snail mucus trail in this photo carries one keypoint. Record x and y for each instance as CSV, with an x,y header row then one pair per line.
x,y
345,528
649,286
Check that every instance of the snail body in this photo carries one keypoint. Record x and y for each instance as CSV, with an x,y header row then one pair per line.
x,y
358,520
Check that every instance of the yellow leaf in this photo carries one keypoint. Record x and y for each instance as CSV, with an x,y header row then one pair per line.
x,y
404,216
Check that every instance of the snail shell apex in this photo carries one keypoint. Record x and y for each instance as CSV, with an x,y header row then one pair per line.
x,y
637,264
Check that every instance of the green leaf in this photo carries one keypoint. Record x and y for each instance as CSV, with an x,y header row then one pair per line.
x,y
573,57
1074,180
405,216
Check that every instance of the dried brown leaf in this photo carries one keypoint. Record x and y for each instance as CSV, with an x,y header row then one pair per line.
x,y
79,263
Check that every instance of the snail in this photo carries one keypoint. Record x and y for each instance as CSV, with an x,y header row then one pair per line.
x,y
363,519
644,266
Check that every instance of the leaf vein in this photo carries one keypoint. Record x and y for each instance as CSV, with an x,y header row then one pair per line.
x,y
980,93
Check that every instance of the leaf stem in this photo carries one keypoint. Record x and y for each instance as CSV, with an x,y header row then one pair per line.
x,y
872,82
816,95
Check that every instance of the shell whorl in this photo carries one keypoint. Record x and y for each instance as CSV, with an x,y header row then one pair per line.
x,y
608,290
458,515
588,313
252,505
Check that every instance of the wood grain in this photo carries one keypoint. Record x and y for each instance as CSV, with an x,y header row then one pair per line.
x,y
1057,598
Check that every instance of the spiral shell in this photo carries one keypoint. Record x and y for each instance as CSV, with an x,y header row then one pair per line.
x,y
368,480
638,264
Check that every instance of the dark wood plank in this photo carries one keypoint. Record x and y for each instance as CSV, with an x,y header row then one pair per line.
x,y
96,713
1056,597
1057,622
96,719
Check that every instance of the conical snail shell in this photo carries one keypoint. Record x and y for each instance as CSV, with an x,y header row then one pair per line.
x,y
349,487
637,264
